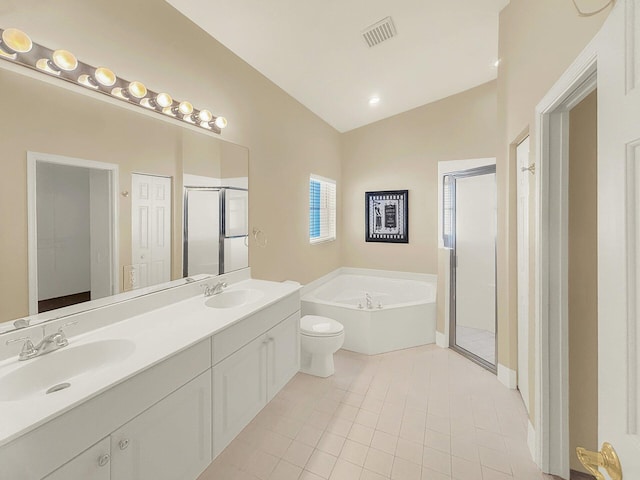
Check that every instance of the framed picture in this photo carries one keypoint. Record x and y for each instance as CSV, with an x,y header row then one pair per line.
x,y
387,215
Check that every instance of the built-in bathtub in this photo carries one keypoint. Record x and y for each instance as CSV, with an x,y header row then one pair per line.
x,y
401,312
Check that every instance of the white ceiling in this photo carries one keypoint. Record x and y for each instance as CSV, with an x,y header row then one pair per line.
x,y
314,50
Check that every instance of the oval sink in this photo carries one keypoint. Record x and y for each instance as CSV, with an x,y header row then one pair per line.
x,y
234,298
41,374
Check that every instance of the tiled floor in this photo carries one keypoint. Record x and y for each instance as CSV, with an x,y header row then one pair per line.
x,y
422,413
480,342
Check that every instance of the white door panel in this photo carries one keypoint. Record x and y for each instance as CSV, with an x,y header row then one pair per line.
x,y
522,162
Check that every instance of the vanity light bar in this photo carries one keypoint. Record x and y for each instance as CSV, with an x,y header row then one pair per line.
x,y
17,47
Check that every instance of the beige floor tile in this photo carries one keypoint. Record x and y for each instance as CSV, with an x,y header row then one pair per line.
x,y
495,460
384,441
298,453
361,434
437,460
405,470
261,464
354,452
285,471
367,418
462,469
489,474
331,443
437,440
369,475
428,474
309,435
321,463
339,426
347,412
379,462
307,475
410,451
344,470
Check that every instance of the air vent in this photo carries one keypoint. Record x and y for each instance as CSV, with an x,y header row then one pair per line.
x,y
379,32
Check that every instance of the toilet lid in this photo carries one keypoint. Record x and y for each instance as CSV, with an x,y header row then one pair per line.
x,y
319,326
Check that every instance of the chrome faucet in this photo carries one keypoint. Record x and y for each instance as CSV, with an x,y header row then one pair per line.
x,y
49,343
215,290
367,297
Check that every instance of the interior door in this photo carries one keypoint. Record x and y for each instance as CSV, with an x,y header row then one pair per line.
x,y
522,160
150,230
619,233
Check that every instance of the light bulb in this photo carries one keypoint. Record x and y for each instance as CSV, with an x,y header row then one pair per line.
x,y
164,100
185,108
87,81
205,116
105,77
65,60
137,89
45,65
221,122
17,40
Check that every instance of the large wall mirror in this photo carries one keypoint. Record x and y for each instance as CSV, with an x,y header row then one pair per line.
x,y
93,200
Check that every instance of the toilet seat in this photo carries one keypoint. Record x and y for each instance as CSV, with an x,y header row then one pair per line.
x,y
317,326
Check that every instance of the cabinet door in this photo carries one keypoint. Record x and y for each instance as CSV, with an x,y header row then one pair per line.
x,y
92,464
283,358
171,440
239,391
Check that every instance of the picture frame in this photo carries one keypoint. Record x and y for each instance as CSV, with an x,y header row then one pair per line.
x,y
387,216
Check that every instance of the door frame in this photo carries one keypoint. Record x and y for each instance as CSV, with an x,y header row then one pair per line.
x,y
471,172
32,220
551,445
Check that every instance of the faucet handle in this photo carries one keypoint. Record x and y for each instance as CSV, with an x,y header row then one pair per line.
x,y
61,339
28,349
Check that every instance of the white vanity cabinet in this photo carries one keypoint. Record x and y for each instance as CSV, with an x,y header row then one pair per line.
x,y
92,464
245,381
171,440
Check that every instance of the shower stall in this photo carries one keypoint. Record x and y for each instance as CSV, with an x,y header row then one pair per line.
x,y
215,230
470,232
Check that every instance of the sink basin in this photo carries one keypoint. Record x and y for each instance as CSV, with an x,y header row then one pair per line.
x,y
56,371
234,298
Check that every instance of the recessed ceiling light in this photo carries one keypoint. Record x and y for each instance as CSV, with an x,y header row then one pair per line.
x,y
374,100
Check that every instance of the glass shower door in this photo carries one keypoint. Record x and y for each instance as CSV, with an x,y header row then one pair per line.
x,y
473,311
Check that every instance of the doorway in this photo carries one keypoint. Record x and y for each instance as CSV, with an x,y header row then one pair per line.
x,y
472,331
72,231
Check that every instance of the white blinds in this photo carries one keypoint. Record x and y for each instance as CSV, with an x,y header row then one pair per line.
x,y
322,209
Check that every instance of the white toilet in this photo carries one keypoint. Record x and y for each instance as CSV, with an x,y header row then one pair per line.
x,y
320,338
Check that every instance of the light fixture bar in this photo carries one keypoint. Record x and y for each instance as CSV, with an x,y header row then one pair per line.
x,y
64,65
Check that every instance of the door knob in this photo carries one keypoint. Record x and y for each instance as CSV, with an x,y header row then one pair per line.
x,y
607,458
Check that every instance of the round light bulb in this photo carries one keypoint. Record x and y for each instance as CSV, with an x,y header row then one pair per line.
x,y
64,60
185,108
164,100
221,122
205,116
105,77
17,40
137,89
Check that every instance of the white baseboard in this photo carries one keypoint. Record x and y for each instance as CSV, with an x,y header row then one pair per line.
x,y
531,440
441,340
508,377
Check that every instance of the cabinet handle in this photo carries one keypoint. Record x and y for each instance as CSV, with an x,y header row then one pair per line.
x,y
123,444
104,459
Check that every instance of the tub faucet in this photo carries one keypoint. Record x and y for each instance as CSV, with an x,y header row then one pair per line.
x,y
209,291
367,297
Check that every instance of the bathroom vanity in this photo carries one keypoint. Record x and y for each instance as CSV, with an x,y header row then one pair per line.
x,y
156,394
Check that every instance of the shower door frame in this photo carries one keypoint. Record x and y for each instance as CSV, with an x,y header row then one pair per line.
x,y
454,176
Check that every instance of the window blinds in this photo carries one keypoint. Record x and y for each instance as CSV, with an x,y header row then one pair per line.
x,y
322,209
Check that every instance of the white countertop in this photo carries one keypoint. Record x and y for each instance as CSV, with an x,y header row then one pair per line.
x,y
158,334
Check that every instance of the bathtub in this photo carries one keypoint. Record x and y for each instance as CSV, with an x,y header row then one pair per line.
x,y
401,312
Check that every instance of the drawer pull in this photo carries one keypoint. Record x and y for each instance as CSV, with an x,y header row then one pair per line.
x,y
123,444
104,459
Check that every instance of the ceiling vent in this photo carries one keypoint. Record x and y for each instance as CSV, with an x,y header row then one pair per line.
x,y
379,32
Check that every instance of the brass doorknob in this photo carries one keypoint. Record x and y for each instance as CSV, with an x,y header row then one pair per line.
x,y
606,458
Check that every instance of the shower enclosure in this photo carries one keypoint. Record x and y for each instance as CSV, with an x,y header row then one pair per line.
x,y
470,231
215,230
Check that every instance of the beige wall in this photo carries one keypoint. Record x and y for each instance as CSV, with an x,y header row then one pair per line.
x,y
167,52
538,40
402,152
583,278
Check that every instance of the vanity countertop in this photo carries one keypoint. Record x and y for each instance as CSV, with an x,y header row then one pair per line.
x,y
157,335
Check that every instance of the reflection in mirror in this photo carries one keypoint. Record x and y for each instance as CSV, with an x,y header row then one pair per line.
x,y
59,122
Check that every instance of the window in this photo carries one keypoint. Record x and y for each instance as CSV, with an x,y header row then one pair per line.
x,y
448,193
322,209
